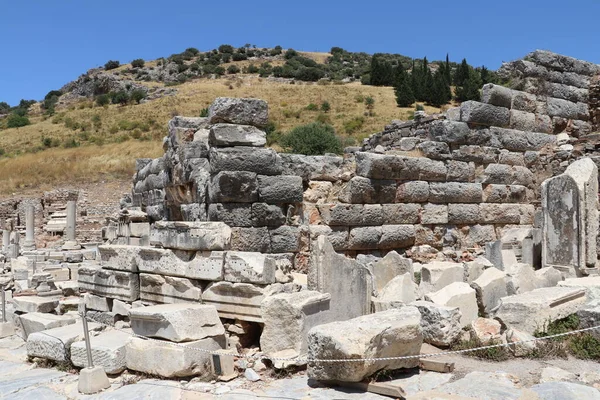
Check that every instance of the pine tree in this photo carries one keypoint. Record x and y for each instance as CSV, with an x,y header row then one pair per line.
x,y
402,88
462,73
382,73
439,93
470,88
447,71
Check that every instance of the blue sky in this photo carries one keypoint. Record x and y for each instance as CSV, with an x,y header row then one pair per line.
x,y
48,43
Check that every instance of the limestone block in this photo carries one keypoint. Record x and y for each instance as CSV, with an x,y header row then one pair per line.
x,y
108,351
233,187
288,317
347,281
567,109
474,269
238,111
280,189
261,161
530,311
434,214
235,300
285,239
394,236
339,214
232,214
400,289
37,322
441,325
413,192
463,214
251,239
511,158
313,168
396,332
438,274
449,131
35,304
486,330
523,101
484,114
191,235
55,343
457,294
460,171
476,154
523,121
497,95
93,302
396,214
520,344
390,266
172,322
318,191
114,284
378,166
516,140
490,287
521,278
549,277
337,235
249,267
169,289
168,361
455,192
590,283
204,265
434,150
263,214
226,135
507,213
504,194
360,190
121,308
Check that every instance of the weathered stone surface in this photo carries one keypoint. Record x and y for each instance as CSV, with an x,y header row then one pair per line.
x,y
483,385
204,265
360,190
457,294
238,111
168,361
507,213
394,236
233,187
31,304
401,289
169,289
249,267
337,235
232,214
251,159
449,131
286,239
313,168
172,322
497,95
339,214
251,239
114,284
263,214
523,121
504,194
484,114
413,192
520,342
441,325
280,189
490,287
191,235
347,281
565,391
463,214
455,192
485,330
460,171
288,317
529,311
388,267
55,343
235,300
378,166
108,351
225,135
93,302
37,322
516,140
439,274
397,214
590,283
434,214
395,332
567,109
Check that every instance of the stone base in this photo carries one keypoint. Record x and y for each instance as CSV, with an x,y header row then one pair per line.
x,y
92,380
71,245
6,329
28,245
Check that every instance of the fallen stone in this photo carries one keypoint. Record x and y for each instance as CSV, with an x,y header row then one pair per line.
x,y
37,322
251,375
457,294
514,337
35,304
108,351
590,283
169,289
439,274
533,310
106,283
93,302
554,374
55,343
92,380
401,289
565,391
392,333
485,330
163,359
490,287
235,300
389,267
483,385
441,325
191,235
172,322
249,267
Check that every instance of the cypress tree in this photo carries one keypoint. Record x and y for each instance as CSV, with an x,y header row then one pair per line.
x,y
447,72
462,73
402,88
470,88
382,73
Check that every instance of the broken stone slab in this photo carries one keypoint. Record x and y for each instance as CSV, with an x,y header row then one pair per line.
x,y
191,235
401,289
521,343
347,281
388,267
169,289
391,333
249,267
287,319
474,269
521,279
549,277
37,322
440,324
162,358
533,310
243,111
235,300
438,274
93,302
457,294
56,343
174,322
35,304
485,330
590,283
108,351
490,287
227,135
106,283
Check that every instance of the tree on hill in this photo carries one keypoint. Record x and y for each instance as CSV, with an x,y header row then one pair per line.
x,y
15,120
439,93
4,107
382,73
138,63
470,87
462,73
111,64
402,88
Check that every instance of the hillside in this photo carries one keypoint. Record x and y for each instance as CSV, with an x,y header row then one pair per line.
x,y
82,141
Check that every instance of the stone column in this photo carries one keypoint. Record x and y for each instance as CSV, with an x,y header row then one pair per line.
x,y
5,236
29,228
71,242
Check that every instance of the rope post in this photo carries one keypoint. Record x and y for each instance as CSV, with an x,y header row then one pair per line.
x,y
86,334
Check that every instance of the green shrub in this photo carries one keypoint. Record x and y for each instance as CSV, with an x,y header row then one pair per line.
x,y
277,50
121,97
309,74
233,69
192,50
585,346
138,63
219,70
252,69
291,53
4,107
138,95
325,106
419,107
70,143
312,139
354,124
226,48
112,64
16,121
103,100
204,112
323,118
239,57
312,107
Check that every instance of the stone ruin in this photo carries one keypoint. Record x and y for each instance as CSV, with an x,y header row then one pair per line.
x,y
483,219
